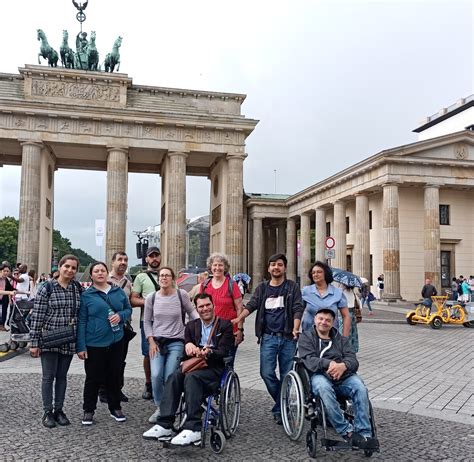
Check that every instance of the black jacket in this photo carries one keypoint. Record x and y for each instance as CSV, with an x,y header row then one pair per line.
x,y
293,306
223,340
340,351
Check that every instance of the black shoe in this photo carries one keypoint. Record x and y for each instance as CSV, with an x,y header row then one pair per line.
x,y
61,418
88,418
123,398
48,420
147,393
277,419
363,442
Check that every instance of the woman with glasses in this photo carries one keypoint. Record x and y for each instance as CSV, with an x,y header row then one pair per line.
x,y
164,317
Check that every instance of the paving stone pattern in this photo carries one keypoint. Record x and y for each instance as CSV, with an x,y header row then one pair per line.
x,y
402,437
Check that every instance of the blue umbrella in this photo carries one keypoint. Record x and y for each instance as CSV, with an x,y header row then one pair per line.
x,y
241,277
346,277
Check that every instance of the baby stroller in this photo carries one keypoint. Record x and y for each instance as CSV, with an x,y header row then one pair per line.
x,y
18,322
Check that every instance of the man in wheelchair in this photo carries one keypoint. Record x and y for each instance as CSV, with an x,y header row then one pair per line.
x,y
329,358
199,383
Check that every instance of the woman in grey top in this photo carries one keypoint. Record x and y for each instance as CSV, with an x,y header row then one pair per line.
x,y
163,322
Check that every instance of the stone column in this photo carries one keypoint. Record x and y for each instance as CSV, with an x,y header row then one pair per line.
x,y
305,251
257,252
176,211
340,235
391,243
234,216
30,205
320,231
281,246
272,241
362,237
291,248
117,190
432,236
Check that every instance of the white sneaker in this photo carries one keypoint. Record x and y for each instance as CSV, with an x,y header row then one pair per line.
x,y
154,417
186,437
156,432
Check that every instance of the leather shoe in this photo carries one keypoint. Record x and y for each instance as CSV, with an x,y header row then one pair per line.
x,y
48,420
61,418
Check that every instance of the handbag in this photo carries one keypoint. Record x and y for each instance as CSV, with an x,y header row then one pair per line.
x,y
196,363
357,310
128,331
62,335
371,297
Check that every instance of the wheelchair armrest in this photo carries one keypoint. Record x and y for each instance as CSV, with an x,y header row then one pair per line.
x,y
228,361
297,360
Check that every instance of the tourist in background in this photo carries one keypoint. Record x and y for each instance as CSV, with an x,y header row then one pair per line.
x,y
380,285
352,300
100,341
322,294
197,288
366,295
56,305
146,283
6,291
454,289
164,319
225,294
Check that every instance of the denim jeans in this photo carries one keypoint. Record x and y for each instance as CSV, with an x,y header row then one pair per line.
x,y
352,388
362,302
55,367
273,349
162,366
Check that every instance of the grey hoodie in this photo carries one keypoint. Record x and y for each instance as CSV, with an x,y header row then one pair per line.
x,y
340,350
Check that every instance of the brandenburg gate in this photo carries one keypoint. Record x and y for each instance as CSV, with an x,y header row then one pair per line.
x,y
54,118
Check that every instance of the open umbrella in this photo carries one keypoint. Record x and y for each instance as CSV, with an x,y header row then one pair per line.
x,y
244,277
346,277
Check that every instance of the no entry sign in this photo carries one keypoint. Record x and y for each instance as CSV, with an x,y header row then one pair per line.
x,y
330,242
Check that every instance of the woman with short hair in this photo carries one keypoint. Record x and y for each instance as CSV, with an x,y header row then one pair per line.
x,y
56,306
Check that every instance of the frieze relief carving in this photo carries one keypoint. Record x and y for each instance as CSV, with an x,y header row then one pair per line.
x,y
82,91
461,151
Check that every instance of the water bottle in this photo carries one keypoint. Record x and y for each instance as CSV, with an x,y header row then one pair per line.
x,y
114,325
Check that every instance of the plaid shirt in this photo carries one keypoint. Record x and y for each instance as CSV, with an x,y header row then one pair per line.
x,y
54,311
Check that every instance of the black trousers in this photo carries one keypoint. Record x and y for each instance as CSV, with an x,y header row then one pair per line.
x,y
103,366
196,386
124,357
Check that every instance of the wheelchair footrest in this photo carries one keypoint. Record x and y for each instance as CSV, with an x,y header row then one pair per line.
x,y
334,445
368,443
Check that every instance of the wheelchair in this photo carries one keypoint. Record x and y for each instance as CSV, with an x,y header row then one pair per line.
x,y
221,414
298,403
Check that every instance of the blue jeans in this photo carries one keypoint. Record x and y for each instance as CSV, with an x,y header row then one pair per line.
x,y
352,388
366,299
144,342
162,366
275,348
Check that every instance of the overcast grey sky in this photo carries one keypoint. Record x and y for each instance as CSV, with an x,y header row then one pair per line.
x,y
332,82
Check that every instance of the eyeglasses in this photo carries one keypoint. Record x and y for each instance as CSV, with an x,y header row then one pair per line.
x,y
165,276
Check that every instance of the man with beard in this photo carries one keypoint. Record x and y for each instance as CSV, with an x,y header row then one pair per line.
x,y
146,283
117,277
279,311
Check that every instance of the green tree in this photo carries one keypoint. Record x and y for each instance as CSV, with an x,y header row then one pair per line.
x,y
9,241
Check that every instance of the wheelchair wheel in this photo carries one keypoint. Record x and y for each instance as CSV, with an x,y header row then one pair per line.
x,y
180,417
13,345
230,405
217,441
292,405
22,344
311,441
368,453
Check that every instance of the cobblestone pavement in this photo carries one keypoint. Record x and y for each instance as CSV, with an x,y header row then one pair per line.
x,y
402,437
415,376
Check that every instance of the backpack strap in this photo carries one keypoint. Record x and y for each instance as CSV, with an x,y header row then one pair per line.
x,y
208,280
157,286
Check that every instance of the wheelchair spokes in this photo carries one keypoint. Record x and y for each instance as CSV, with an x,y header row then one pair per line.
x,y
292,409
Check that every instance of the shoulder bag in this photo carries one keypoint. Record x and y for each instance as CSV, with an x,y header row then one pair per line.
x,y
357,310
128,331
62,335
196,363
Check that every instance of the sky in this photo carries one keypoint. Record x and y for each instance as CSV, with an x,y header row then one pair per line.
x,y
331,82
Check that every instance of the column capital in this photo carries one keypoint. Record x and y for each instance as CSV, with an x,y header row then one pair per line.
x,y
390,183
361,194
236,155
432,185
117,148
178,153
39,144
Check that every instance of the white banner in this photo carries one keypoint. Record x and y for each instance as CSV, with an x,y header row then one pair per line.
x,y
99,232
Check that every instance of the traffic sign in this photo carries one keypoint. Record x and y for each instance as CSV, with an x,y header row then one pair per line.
x,y
330,242
330,254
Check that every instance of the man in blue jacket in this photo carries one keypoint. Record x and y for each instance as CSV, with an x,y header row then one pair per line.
x,y
279,311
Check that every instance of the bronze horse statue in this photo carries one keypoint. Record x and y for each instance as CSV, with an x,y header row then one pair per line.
x,y
92,54
67,54
113,59
46,50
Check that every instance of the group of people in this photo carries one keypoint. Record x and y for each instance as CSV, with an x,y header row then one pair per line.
x,y
462,289
319,319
